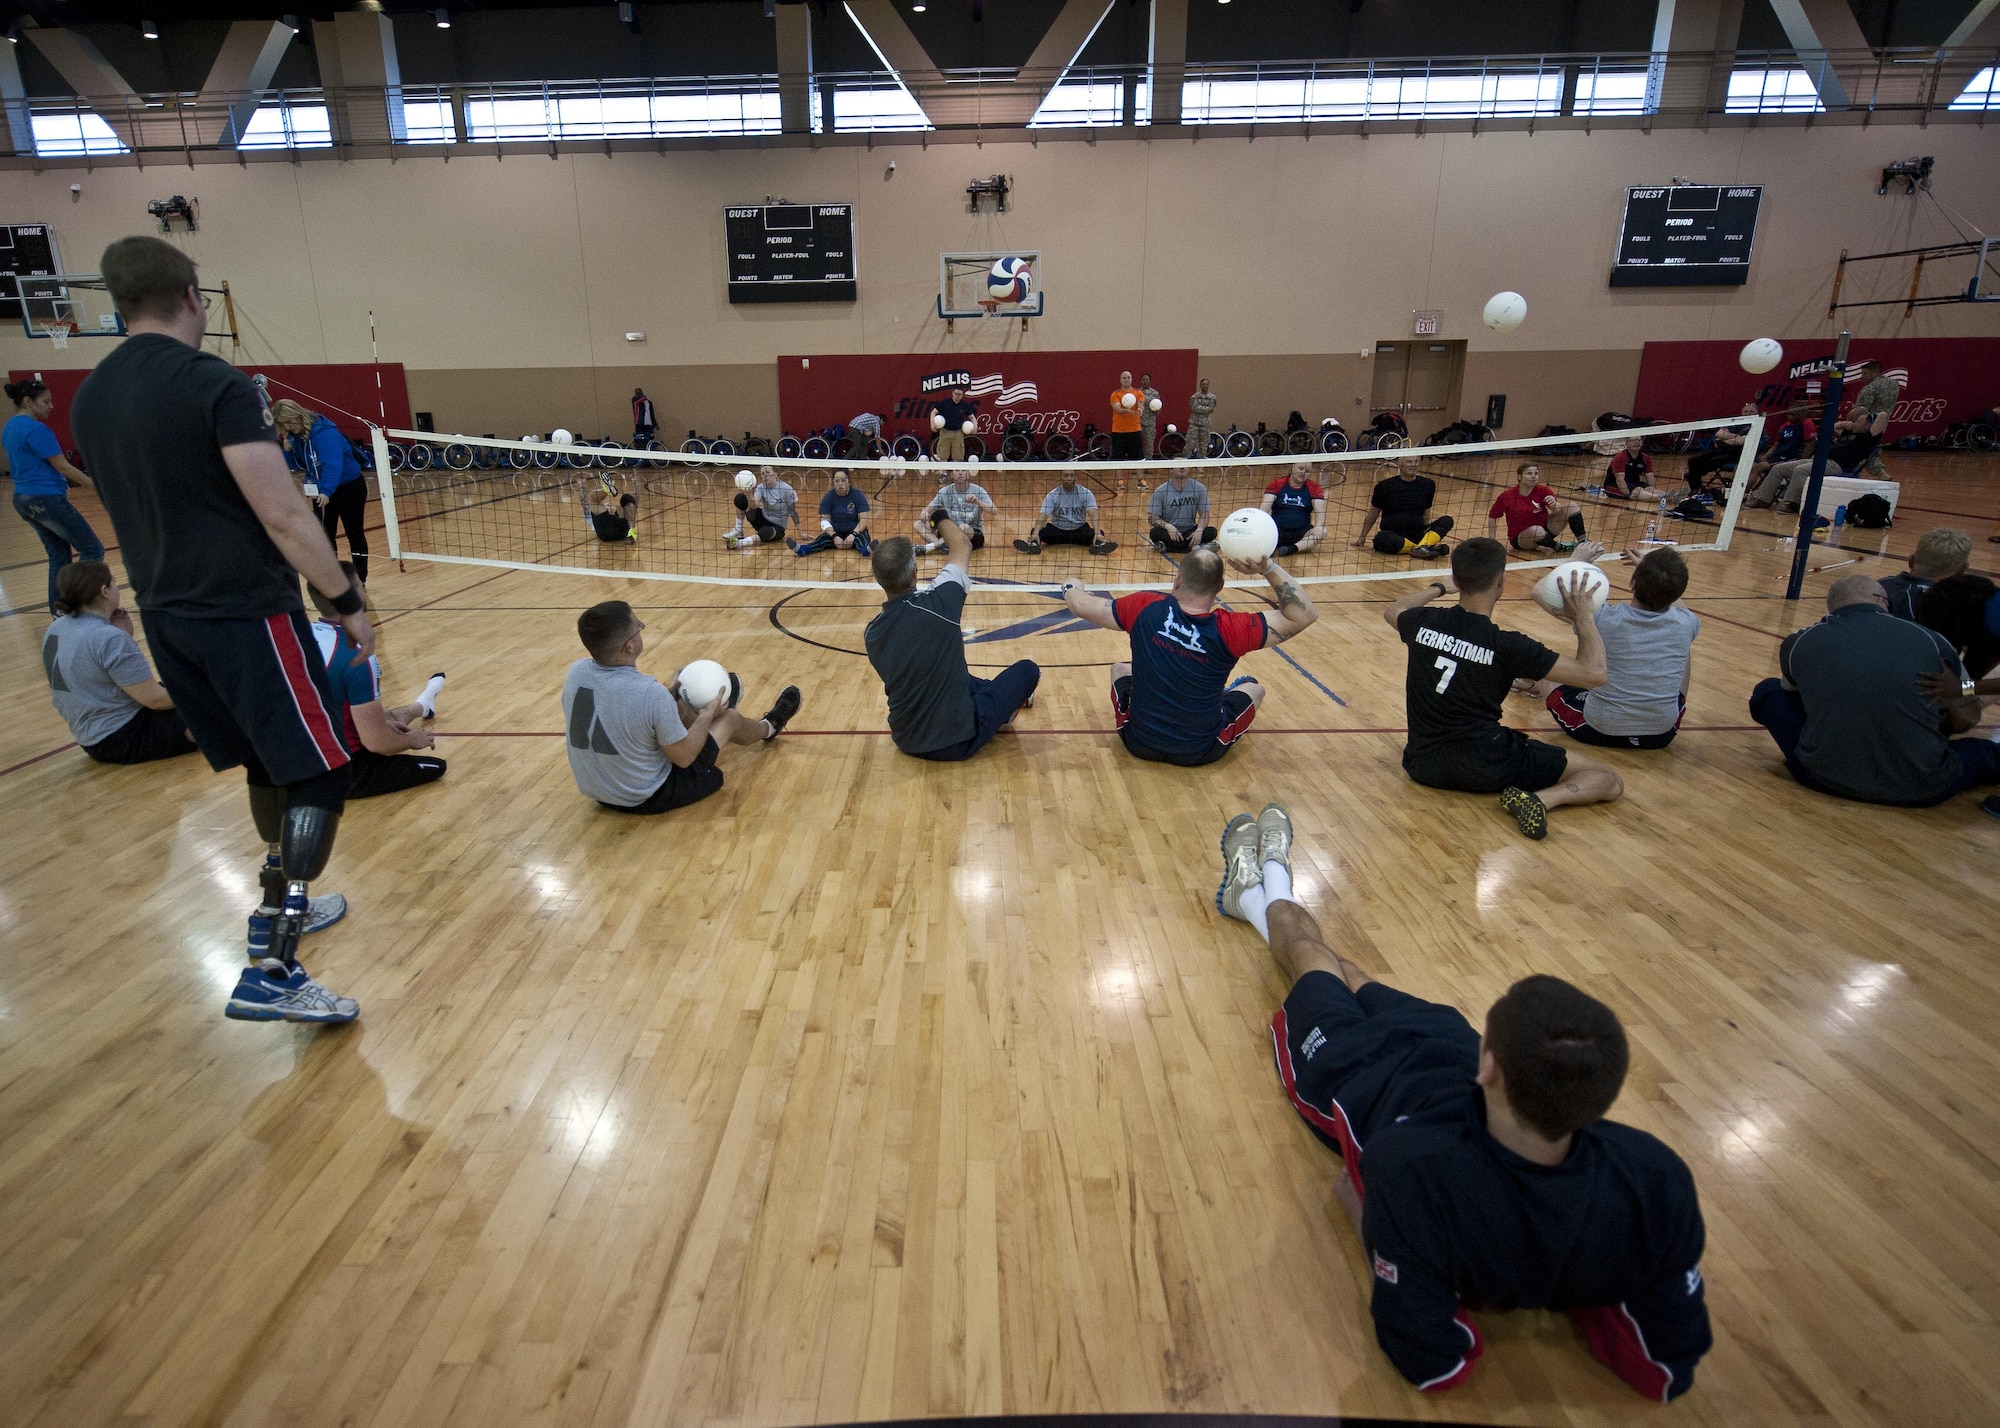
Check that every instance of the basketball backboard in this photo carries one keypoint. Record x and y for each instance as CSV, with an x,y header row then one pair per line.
x,y
60,306
967,285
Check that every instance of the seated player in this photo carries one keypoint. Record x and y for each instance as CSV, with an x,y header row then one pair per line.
x,y
1784,483
1173,702
937,709
1298,505
1965,609
378,741
1940,553
1178,514
965,504
613,515
1461,667
1402,503
1648,663
1478,1171
843,519
1630,474
764,513
1705,469
1533,513
99,680
634,745
1068,514
1851,714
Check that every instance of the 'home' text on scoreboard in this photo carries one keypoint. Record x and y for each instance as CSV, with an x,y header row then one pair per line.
x,y
791,252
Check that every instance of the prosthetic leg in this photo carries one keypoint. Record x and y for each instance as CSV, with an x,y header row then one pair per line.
x,y
297,823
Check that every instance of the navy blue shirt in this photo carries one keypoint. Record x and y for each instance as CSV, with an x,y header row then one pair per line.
x,y
1453,1221
956,414
1292,506
844,511
1180,666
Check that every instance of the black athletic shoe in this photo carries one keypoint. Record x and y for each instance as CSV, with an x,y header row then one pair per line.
x,y
1286,550
1028,547
1104,547
780,713
1529,811
735,689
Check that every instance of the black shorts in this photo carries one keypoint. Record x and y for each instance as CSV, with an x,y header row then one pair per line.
x,y
1328,1040
148,735
1128,445
1232,720
250,690
1566,702
683,786
376,774
1504,758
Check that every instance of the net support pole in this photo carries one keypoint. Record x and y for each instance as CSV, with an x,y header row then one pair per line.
x,y
1822,449
1739,485
386,485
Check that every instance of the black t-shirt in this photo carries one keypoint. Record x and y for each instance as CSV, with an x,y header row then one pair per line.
x,y
1461,667
1403,503
151,422
610,525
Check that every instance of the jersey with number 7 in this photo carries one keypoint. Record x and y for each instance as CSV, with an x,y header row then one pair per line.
x,y
1461,667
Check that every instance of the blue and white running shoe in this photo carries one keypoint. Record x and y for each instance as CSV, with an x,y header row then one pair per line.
x,y
265,992
321,913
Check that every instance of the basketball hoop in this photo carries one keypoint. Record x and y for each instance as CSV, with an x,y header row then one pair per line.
x,y
988,306
58,332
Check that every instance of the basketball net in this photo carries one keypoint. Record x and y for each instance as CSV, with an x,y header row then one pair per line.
x,y
988,306
58,333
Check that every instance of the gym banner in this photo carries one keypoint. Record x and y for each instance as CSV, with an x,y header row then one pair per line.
x,y
349,394
1050,391
1944,379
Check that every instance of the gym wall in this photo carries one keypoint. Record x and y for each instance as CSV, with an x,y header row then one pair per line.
x,y
505,287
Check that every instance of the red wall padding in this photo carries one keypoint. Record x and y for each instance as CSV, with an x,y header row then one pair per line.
x,y
1055,391
349,394
1949,378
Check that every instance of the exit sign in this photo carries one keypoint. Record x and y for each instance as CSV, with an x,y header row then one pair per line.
x,y
1426,324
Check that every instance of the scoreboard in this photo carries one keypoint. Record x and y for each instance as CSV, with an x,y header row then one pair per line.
x,y
791,252
1689,235
26,250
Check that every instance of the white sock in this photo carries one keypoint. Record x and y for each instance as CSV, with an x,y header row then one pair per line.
x,y
1251,906
1277,882
428,700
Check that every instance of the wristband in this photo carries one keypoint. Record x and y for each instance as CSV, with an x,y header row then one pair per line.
x,y
1440,587
348,602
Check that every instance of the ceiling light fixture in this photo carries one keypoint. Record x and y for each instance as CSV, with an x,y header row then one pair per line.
x,y
148,29
443,19
917,8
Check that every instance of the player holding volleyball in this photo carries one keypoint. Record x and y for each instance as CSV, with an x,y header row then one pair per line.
x,y
1173,701
1478,1170
1126,403
764,513
1149,415
1461,668
1533,512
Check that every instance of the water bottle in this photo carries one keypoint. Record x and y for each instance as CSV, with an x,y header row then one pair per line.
x,y
1652,530
1840,515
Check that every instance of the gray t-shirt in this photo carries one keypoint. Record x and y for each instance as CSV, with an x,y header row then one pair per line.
x,y
965,510
617,718
88,659
1178,507
780,503
1069,510
918,649
1646,652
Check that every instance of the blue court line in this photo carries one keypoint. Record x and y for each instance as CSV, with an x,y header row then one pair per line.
x,y
1310,677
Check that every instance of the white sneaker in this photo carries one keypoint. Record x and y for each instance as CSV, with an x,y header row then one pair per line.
x,y
1241,868
1274,836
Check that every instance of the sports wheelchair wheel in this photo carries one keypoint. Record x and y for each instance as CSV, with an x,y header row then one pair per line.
x,y
874,449
755,446
1391,441
548,460
613,455
1333,440
399,457
790,447
1100,446
1016,447
843,448
458,456
1298,443
907,447
1270,443
1058,448
419,457
1240,443
976,446
1981,437
722,446
1171,445
694,446
520,460
816,448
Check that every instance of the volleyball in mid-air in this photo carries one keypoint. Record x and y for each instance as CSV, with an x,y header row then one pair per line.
x,y
745,480
1760,355
1009,279
1154,405
1504,311
1249,534
1548,590
561,437
701,681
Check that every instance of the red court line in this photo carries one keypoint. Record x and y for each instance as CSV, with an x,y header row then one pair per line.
x,y
884,733
15,768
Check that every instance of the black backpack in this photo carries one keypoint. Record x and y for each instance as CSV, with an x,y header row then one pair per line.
x,y
1869,511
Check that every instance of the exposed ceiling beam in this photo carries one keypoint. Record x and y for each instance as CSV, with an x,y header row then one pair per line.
x,y
1166,58
243,68
795,69
903,54
14,97
1980,29
1815,27
1694,48
91,75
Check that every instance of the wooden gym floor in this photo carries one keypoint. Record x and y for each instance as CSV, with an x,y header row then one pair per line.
x,y
878,1089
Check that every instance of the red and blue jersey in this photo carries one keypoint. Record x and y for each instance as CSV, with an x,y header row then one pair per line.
x,y
351,683
1292,507
1180,667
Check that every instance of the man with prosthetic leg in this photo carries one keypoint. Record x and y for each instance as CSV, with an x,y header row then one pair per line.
x,y
215,536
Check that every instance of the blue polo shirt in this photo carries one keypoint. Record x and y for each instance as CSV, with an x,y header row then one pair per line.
x,y
29,445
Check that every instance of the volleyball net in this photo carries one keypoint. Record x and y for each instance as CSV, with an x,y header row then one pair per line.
x,y
531,505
